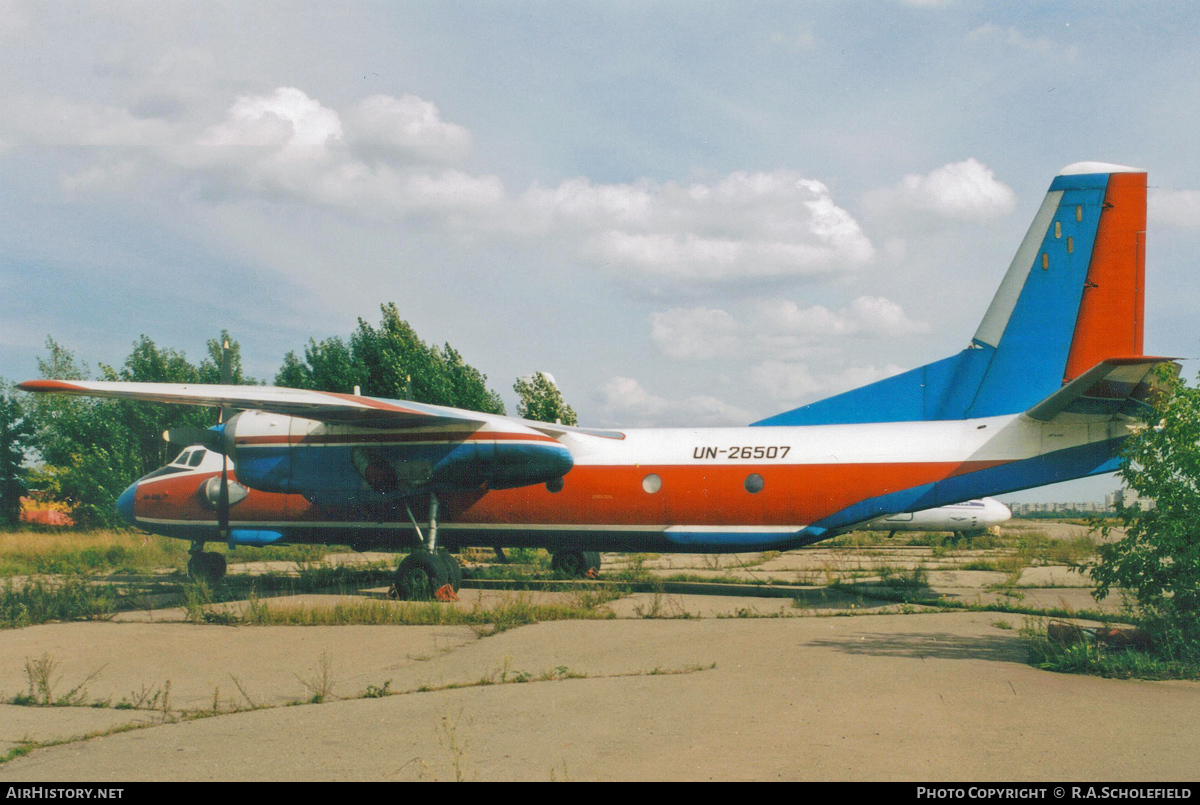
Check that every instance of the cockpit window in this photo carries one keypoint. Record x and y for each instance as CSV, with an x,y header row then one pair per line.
x,y
183,458
197,457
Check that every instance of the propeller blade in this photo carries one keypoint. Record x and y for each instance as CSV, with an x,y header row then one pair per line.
x,y
226,375
223,501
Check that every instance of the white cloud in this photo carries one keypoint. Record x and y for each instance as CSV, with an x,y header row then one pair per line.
x,y
778,328
287,120
794,383
1175,208
966,190
745,225
1014,38
407,126
694,333
873,316
626,403
386,158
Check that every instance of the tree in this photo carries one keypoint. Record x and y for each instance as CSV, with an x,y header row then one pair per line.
x,y
390,361
91,449
16,428
540,399
1158,561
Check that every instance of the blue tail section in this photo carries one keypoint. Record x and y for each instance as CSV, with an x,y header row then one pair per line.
x,y
1021,352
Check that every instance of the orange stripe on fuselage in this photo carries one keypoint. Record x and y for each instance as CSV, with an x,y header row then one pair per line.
x,y
699,494
1112,308
607,495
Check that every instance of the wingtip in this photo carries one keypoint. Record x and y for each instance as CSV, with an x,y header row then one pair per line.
x,y
41,386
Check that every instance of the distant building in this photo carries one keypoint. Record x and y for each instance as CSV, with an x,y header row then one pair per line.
x,y
1128,498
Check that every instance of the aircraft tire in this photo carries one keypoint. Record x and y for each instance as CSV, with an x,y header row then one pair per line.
x,y
453,569
420,575
576,564
207,566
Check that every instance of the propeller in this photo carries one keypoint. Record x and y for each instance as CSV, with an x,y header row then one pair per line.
x,y
223,497
214,439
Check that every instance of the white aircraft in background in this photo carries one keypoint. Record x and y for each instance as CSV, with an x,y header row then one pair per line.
x,y
970,518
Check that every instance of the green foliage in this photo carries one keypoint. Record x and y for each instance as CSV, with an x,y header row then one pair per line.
x,y
1158,561
540,400
92,449
390,361
37,601
16,431
1085,656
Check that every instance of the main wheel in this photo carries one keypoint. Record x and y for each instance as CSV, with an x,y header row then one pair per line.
x,y
576,564
420,575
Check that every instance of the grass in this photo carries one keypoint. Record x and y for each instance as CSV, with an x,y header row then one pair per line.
x,y
518,611
44,600
41,552
1095,659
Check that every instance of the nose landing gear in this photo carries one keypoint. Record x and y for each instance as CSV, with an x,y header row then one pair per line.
x,y
205,566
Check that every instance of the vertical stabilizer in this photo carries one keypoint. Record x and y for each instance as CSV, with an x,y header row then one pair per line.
x,y
1072,297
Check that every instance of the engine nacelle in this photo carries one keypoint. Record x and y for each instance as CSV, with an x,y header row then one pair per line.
x,y
338,463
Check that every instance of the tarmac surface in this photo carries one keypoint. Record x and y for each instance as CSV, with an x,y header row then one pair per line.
x,y
673,687
875,697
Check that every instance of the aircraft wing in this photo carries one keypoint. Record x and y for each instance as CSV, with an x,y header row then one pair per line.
x,y
324,406
1113,387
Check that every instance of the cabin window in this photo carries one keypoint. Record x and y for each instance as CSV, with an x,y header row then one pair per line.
x,y
652,483
1070,244
1078,212
183,458
754,483
1045,261
196,458
1058,229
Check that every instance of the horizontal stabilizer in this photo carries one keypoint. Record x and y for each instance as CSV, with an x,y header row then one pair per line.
x,y
1114,387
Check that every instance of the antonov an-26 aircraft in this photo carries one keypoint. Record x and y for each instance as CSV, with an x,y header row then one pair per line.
x,y
1047,390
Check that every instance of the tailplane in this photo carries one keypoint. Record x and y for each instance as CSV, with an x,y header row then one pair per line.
x,y
1072,297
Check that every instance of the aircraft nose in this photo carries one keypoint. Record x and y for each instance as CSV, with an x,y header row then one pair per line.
x,y
125,503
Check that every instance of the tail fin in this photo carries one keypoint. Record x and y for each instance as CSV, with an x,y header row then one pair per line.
x,y
1072,297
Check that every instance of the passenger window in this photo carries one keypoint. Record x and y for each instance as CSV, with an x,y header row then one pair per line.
x,y
197,457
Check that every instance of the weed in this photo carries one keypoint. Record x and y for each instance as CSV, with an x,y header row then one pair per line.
x,y
374,692
454,744
320,684
1002,624
40,675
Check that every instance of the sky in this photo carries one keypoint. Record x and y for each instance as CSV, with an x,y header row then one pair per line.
x,y
691,213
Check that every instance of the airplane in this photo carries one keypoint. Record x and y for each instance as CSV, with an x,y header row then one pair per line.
x,y
971,518
1048,389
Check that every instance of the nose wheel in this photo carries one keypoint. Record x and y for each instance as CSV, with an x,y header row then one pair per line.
x,y
206,566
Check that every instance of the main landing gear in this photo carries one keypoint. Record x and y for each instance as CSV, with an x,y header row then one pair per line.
x,y
429,571
576,564
205,566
